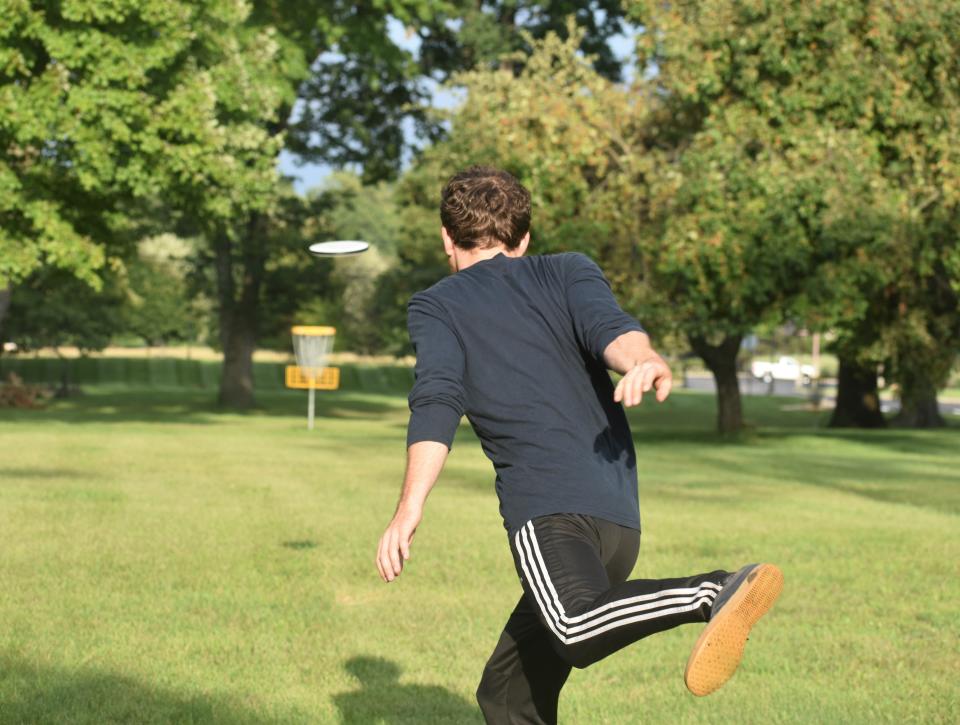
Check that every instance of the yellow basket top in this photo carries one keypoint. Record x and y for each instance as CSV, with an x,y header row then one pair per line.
x,y
313,330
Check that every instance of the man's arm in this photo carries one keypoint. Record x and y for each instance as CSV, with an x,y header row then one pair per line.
x,y
607,332
436,406
424,462
642,368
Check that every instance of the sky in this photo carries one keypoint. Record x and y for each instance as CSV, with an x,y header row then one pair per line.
x,y
312,175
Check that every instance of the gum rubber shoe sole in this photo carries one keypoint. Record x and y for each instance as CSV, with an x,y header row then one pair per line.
x,y
719,649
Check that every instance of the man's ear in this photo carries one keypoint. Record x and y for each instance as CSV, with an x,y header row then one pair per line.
x,y
524,243
447,241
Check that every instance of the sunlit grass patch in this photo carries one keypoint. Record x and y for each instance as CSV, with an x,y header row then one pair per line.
x,y
165,562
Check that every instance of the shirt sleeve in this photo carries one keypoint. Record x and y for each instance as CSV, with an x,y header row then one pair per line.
x,y
437,398
597,318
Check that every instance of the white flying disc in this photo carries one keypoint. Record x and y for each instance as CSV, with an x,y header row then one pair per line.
x,y
338,248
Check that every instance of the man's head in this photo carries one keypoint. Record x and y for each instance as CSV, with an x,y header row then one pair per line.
x,y
483,208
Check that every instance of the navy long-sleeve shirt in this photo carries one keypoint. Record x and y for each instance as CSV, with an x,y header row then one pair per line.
x,y
516,344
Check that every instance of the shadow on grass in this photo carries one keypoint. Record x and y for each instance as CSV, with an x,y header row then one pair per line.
x,y
691,425
938,440
935,486
647,436
31,693
41,473
381,698
300,545
915,469
685,419
198,407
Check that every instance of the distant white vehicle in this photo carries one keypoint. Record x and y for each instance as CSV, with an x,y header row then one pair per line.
x,y
786,368
10,347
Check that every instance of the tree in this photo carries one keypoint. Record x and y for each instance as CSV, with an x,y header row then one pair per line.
x,y
731,224
106,107
348,90
4,306
728,230
343,78
847,293
758,96
54,308
915,126
376,84
606,173
489,35
897,66
105,103
742,174
706,228
159,308
196,112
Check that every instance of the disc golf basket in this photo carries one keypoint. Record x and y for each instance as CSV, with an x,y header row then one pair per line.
x,y
311,345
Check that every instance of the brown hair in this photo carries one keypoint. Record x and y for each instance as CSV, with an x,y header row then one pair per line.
x,y
482,207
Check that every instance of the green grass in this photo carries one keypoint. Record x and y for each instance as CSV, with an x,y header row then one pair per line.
x,y
163,562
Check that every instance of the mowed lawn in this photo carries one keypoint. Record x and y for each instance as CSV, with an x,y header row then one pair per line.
x,y
163,562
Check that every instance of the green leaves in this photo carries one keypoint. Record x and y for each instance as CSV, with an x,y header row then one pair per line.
x,y
774,162
823,137
558,125
128,99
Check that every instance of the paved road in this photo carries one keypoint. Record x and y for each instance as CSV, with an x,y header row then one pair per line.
x,y
828,390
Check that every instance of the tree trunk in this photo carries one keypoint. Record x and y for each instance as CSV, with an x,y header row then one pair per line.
x,y
238,316
918,403
858,403
722,362
5,293
65,389
236,380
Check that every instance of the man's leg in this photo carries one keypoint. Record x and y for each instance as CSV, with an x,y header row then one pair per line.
x,y
560,559
521,682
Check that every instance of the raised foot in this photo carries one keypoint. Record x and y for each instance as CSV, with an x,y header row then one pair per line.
x,y
719,649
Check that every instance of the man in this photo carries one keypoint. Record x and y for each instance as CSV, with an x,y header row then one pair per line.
x,y
522,346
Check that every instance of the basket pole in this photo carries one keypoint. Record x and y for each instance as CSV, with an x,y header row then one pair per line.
x,y
310,404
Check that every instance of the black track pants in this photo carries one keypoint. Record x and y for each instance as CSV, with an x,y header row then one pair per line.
x,y
577,608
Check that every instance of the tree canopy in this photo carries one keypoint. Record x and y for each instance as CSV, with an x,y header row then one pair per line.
x,y
760,172
812,173
104,102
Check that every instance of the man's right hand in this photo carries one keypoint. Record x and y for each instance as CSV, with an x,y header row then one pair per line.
x,y
651,373
424,463
642,369
395,543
